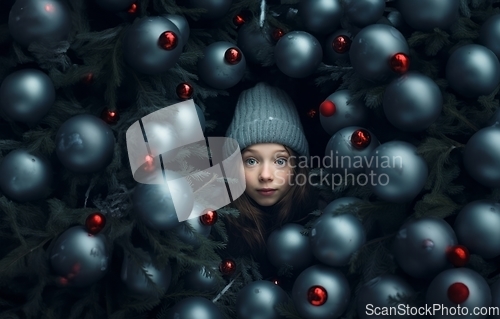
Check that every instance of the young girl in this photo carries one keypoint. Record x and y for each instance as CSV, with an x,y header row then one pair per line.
x,y
267,127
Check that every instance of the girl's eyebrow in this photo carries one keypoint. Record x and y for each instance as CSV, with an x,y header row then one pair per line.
x,y
254,151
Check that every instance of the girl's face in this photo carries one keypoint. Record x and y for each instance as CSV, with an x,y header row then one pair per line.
x,y
267,172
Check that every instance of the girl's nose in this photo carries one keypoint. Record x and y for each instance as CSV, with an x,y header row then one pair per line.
x,y
266,173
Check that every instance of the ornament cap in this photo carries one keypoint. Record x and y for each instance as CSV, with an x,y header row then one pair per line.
x,y
400,63
360,139
168,40
317,296
233,56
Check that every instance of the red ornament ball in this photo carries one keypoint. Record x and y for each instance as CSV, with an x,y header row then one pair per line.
x,y
133,8
110,116
341,44
88,78
400,63
317,295
458,293
327,108
184,91
277,34
95,222
311,113
209,219
227,267
360,139
458,255
239,20
233,55
168,40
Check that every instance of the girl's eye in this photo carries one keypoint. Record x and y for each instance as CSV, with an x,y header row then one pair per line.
x,y
281,161
250,161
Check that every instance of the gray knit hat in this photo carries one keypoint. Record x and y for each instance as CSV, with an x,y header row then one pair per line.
x,y
265,114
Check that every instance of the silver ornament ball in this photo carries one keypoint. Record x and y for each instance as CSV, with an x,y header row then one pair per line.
x,y
141,50
215,71
161,206
412,102
202,280
400,172
334,239
380,292
479,294
134,278
33,21
425,15
372,49
343,158
79,259
195,308
481,156
347,112
489,34
259,299
473,70
420,246
25,176
85,144
287,246
26,96
364,12
477,227
298,54
320,16
332,281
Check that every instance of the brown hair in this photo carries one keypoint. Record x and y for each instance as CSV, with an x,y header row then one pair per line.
x,y
250,225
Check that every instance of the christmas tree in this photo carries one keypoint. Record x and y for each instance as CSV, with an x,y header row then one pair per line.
x,y
398,100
